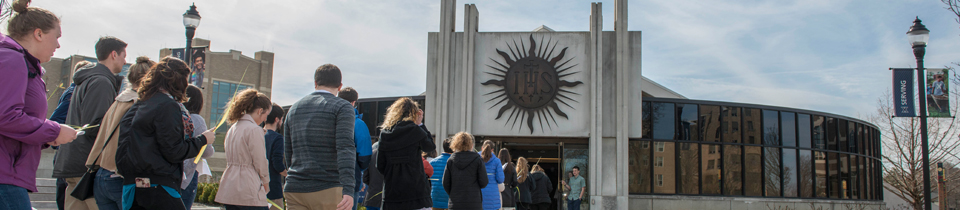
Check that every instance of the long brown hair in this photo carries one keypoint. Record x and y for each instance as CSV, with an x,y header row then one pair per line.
x,y
29,19
404,109
169,74
136,72
487,150
245,102
523,170
504,156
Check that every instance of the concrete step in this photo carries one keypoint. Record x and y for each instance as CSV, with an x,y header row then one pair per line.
x,y
43,196
46,189
46,182
44,204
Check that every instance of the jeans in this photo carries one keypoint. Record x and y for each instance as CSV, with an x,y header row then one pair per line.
x,y
108,191
190,193
14,198
573,204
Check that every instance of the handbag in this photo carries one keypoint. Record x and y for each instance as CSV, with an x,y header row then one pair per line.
x,y
84,187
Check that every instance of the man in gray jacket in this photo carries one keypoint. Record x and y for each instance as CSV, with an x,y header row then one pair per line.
x,y
96,88
319,149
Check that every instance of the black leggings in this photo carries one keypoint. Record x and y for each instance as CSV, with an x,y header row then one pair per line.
x,y
155,198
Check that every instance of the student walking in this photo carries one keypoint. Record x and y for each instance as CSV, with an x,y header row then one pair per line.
x,y
439,164
525,186
509,195
246,180
577,187
361,136
32,38
541,196
273,143
491,193
96,89
190,173
319,147
155,139
402,139
464,175
108,187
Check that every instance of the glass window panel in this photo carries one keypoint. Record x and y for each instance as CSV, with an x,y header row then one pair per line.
x,y
771,167
771,130
689,130
820,163
788,128
732,169
664,120
711,169
664,170
688,158
803,131
753,171
854,178
861,168
710,123
843,136
856,135
819,132
731,119
845,184
831,133
805,170
833,167
639,156
647,122
751,126
790,171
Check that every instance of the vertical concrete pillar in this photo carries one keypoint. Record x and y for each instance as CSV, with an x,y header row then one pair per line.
x,y
445,53
624,59
596,105
470,19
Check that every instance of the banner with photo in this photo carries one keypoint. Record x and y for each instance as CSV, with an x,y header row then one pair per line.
x,y
197,63
938,92
903,93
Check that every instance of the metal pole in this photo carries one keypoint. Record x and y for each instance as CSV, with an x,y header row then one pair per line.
x,y
187,51
918,51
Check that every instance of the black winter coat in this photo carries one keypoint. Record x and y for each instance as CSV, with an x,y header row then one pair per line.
x,y
374,181
542,193
509,195
463,178
526,189
151,142
405,184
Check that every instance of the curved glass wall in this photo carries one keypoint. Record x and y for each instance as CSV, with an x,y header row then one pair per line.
x,y
691,147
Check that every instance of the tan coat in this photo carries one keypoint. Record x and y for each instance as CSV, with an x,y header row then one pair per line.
x,y
110,121
247,169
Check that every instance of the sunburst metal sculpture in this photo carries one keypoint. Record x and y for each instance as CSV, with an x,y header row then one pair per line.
x,y
531,83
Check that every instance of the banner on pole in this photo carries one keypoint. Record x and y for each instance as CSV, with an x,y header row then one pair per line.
x,y
903,94
197,63
938,92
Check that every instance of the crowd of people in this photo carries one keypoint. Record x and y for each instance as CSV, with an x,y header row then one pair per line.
x,y
135,148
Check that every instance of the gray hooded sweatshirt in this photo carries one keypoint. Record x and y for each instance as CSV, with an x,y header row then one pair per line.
x,y
96,89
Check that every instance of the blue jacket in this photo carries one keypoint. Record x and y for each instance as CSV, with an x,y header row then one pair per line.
x,y
439,195
60,114
491,193
361,135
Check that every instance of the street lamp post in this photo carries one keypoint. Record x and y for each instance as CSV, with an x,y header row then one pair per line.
x,y
919,35
191,19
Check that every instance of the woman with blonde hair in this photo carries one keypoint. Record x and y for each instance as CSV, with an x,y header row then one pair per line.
x,y
491,193
526,185
465,174
403,138
109,187
541,196
246,181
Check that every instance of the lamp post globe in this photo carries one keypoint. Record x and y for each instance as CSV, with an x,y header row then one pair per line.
x,y
918,35
191,19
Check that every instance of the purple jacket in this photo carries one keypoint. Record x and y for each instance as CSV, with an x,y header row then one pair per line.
x,y
24,129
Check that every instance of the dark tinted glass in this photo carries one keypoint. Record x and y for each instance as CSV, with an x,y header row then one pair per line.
x,y
647,122
710,169
733,170
710,123
664,120
819,132
790,173
640,166
833,167
805,170
771,129
843,135
845,184
753,171
788,129
771,172
751,126
688,130
733,127
689,157
664,167
831,133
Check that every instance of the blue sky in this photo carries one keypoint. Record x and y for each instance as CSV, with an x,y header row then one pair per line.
x,y
823,55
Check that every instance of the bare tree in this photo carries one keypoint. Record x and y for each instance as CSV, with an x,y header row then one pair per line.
x,y
901,144
953,6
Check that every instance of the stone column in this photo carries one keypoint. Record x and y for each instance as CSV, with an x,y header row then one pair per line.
x,y
470,20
